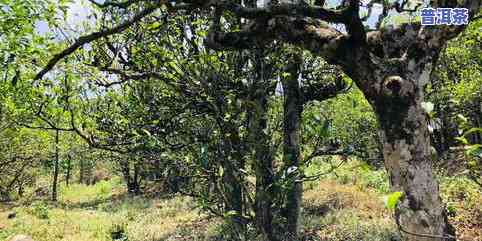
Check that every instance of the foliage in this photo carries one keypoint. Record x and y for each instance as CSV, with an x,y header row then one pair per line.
x,y
456,90
168,117
463,197
349,120
40,210
393,199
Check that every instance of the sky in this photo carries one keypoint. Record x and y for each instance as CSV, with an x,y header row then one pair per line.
x,y
77,13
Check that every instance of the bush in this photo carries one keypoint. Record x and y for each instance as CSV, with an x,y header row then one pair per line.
x,y
353,172
376,179
40,210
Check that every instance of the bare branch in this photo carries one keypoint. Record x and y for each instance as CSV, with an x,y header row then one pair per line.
x,y
320,174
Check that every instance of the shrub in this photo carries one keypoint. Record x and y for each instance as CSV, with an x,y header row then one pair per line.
x,y
40,210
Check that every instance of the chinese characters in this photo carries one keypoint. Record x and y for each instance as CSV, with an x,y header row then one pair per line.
x,y
444,16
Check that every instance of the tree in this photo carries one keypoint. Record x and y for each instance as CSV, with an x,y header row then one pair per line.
x,y
390,65
303,82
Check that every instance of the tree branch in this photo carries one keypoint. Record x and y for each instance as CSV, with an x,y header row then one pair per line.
x,y
287,9
310,34
124,4
92,37
321,91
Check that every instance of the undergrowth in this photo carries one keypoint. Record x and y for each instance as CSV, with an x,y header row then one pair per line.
x,y
344,205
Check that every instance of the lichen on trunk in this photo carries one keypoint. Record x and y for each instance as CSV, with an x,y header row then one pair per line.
x,y
408,159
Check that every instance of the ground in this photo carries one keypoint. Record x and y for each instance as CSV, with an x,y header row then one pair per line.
x,y
345,205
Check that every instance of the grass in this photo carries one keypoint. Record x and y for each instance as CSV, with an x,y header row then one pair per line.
x,y
91,213
347,205
335,211
464,204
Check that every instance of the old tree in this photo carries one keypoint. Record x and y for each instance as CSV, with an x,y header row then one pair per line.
x,y
390,64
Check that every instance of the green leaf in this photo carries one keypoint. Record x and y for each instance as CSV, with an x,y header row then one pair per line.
x,y
428,107
473,130
463,140
324,132
474,150
147,132
154,25
231,213
176,68
462,118
393,199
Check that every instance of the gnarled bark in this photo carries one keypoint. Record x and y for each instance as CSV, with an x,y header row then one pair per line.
x,y
408,159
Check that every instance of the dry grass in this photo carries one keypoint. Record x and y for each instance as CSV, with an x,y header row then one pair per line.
x,y
92,217
464,200
333,210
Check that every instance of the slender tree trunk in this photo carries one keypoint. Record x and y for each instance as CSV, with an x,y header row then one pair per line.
x,y
263,161
20,190
67,174
232,180
81,171
132,182
264,173
56,167
234,199
293,107
126,172
136,185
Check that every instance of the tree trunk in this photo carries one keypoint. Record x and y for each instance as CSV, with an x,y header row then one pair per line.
x,y
20,190
132,182
264,173
81,171
67,174
232,162
408,159
126,172
293,107
263,160
136,180
234,202
56,167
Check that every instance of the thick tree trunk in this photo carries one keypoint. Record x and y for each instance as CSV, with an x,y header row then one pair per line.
x,y
132,181
293,107
408,159
56,167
